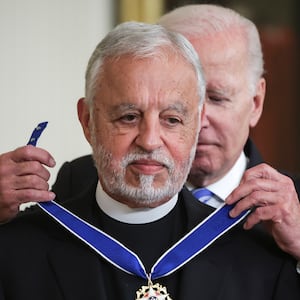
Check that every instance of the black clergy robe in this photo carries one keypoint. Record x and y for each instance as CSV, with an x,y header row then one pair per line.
x,y
39,259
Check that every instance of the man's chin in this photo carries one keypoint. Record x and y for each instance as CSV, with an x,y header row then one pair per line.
x,y
203,150
202,167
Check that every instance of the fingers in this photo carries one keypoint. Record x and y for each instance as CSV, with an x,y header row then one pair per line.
x,y
25,173
273,200
258,179
261,171
10,201
263,213
253,194
23,178
10,209
33,195
272,195
31,153
25,160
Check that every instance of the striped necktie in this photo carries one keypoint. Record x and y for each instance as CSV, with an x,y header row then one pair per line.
x,y
202,194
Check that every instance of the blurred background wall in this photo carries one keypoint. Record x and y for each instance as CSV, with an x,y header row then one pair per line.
x,y
45,46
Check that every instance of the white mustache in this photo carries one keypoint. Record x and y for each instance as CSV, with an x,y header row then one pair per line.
x,y
155,156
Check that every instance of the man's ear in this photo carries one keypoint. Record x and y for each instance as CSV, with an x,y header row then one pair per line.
x,y
83,113
258,102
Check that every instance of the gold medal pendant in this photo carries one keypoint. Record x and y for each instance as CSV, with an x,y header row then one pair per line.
x,y
152,292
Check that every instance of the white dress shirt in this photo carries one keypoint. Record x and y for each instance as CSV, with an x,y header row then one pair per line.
x,y
223,187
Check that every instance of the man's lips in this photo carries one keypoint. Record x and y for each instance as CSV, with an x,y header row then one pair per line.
x,y
147,167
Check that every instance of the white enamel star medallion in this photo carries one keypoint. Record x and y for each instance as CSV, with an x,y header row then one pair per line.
x,y
152,292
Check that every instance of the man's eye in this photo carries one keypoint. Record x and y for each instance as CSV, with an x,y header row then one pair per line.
x,y
215,99
129,118
173,121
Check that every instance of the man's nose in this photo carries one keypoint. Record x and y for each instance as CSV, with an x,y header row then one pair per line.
x,y
149,136
205,117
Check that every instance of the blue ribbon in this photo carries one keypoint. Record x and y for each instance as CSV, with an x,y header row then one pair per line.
x,y
116,253
102,243
194,242
37,133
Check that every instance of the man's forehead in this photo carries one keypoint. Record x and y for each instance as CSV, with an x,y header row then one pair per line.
x,y
222,86
179,106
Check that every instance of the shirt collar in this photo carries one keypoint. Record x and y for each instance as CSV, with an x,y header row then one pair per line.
x,y
223,187
126,214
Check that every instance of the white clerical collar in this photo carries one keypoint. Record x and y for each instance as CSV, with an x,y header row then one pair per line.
x,y
223,187
125,214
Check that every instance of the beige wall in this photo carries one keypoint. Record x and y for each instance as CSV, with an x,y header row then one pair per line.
x,y
45,45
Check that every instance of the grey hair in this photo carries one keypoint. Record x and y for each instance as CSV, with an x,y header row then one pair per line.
x,y
141,40
201,20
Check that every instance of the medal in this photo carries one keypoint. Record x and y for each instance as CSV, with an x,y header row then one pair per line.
x,y
193,243
152,292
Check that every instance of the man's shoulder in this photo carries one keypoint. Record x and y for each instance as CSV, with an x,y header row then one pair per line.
x,y
27,227
37,221
83,162
74,176
252,153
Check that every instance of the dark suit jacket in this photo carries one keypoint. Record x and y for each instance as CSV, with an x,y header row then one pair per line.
x,y
74,176
39,259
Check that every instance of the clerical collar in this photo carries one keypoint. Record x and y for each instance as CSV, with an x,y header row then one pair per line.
x,y
125,214
223,187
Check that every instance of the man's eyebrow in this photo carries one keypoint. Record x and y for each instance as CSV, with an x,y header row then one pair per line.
x,y
220,89
124,106
178,106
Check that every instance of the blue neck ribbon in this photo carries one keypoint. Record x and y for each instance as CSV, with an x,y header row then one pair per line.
x,y
194,242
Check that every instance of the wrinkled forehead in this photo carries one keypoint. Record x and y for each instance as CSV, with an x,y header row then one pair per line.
x,y
148,78
220,46
222,56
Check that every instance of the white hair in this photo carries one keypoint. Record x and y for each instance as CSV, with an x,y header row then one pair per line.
x,y
201,20
141,40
